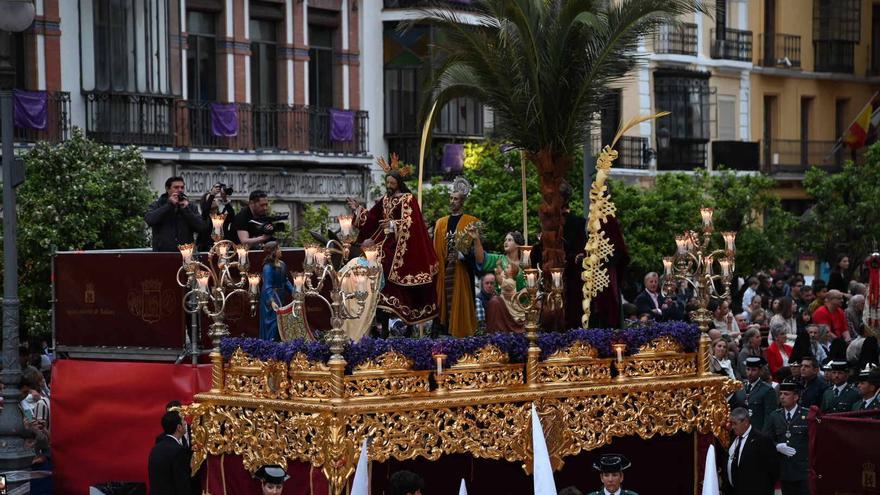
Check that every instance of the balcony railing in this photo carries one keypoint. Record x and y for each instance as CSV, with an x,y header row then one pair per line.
x,y
796,156
127,118
835,56
736,155
148,120
781,50
732,44
676,38
682,154
57,121
632,151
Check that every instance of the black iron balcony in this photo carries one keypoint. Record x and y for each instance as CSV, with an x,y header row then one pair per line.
x,y
128,118
835,56
682,154
676,38
781,50
732,44
632,151
57,126
795,156
270,127
736,155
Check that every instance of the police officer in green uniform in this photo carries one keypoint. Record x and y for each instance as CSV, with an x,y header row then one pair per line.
x,y
272,478
788,429
869,388
611,467
840,396
756,395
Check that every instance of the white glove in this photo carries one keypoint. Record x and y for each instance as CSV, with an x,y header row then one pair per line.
x,y
785,450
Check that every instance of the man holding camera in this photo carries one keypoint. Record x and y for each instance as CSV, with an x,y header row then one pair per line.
x,y
173,218
252,224
213,202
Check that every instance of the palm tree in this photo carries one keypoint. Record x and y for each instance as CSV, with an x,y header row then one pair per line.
x,y
543,67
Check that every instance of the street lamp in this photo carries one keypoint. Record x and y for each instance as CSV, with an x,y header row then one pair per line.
x,y
17,15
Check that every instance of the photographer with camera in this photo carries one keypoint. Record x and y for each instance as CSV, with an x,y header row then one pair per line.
x,y
217,201
253,225
173,218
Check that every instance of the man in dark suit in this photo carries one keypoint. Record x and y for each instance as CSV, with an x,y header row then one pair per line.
x,y
651,302
840,396
752,466
756,395
272,478
169,461
611,467
788,429
814,385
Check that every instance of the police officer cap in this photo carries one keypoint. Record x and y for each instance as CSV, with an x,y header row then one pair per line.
x,y
755,362
870,374
836,366
272,473
611,463
789,385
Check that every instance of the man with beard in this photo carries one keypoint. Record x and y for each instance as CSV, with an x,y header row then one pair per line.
x,y
409,262
455,279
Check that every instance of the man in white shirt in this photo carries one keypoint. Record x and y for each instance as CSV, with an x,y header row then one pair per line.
x,y
611,467
752,464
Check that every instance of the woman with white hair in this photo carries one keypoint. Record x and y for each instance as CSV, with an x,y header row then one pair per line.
x,y
779,351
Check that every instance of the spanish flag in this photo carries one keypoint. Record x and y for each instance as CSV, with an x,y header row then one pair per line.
x,y
863,130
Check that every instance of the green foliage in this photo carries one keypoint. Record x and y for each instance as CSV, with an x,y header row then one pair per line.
x,y
313,219
844,217
744,203
77,195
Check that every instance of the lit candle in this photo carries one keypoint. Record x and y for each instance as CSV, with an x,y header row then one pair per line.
x,y
345,224
311,249
725,266
299,279
221,250
186,252
371,253
525,255
730,240
202,278
217,220
361,277
439,359
706,214
531,278
254,282
320,257
689,243
619,348
242,252
556,276
681,243
667,265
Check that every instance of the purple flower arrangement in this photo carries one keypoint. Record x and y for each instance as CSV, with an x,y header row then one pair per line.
x,y
686,334
420,351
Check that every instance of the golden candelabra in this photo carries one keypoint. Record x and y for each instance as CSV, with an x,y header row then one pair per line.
x,y
212,284
318,268
529,299
694,263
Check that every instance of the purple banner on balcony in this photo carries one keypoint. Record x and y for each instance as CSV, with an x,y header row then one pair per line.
x,y
224,119
453,158
30,109
341,125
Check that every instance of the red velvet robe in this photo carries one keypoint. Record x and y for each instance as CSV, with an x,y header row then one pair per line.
x,y
408,258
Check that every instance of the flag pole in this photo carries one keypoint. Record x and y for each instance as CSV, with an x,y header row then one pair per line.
x,y
525,197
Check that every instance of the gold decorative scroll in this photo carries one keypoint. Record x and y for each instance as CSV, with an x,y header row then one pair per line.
x,y
488,424
599,249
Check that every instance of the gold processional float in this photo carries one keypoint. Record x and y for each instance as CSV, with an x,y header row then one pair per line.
x,y
270,411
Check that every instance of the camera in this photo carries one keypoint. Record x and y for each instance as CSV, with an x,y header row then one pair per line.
x,y
226,189
182,197
277,222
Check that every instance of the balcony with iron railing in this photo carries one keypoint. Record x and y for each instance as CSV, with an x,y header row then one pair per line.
x,y
835,56
632,151
165,121
57,121
732,44
678,39
780,50
796,156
